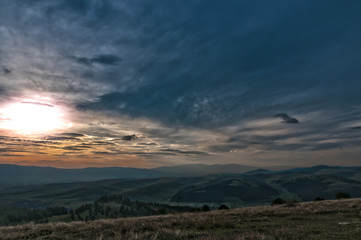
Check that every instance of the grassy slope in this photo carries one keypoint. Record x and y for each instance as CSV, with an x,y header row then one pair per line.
x,y
334,219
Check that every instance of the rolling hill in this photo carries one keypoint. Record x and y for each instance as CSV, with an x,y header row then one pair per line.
x,y
250,188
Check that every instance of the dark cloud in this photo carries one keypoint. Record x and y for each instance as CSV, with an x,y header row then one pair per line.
x,y
77,148
225,68
102,143
9,155
169,150
5,137
60,138
226,147
327,146
129,137
286,118
2,92
105,153
309,137
147,144
6,70
12,150
70,134
104,59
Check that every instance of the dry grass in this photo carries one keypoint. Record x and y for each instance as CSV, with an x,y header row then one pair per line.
x,y
337,219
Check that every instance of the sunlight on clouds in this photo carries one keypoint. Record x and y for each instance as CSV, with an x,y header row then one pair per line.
x,y
31,116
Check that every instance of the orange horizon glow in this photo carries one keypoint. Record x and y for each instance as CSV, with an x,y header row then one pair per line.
x,y
76,162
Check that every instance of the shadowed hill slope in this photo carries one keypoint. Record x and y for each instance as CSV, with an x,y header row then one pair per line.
x,y
336,219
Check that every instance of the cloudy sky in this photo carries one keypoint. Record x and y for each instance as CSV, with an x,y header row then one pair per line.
x,y
149,83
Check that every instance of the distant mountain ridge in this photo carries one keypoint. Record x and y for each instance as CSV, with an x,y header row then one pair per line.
x,y
259,186
28,175
203,169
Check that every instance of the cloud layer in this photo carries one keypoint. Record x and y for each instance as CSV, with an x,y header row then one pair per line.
x,y
191,82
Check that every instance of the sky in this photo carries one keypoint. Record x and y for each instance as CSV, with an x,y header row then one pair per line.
x,y
97,83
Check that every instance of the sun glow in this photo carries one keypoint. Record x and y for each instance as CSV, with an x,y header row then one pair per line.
x,y
31,117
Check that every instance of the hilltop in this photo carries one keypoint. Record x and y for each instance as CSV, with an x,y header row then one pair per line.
x,y
331,219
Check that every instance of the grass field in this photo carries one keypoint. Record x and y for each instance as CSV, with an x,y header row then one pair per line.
x,y
333,219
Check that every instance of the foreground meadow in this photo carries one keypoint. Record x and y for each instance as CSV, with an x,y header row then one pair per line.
x,y
333,219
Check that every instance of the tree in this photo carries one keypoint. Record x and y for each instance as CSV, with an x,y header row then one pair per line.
x,y
162,211
205,208
72,217
342,195
319,199
179,199
223,206
4,221
278,201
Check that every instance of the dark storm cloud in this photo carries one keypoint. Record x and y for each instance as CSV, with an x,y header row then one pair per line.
x,y
232,60
169,150
6,70
286,118
105,59
129,137
207,63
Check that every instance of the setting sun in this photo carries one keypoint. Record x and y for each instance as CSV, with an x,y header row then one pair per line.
x,y
31,117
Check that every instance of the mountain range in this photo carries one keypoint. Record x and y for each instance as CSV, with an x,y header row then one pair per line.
x,y
173,186
29,175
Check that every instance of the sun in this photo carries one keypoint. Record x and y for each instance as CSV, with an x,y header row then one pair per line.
x,y
31,117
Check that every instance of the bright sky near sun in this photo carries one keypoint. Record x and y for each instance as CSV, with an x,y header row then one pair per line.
x,y
29,117
151,83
